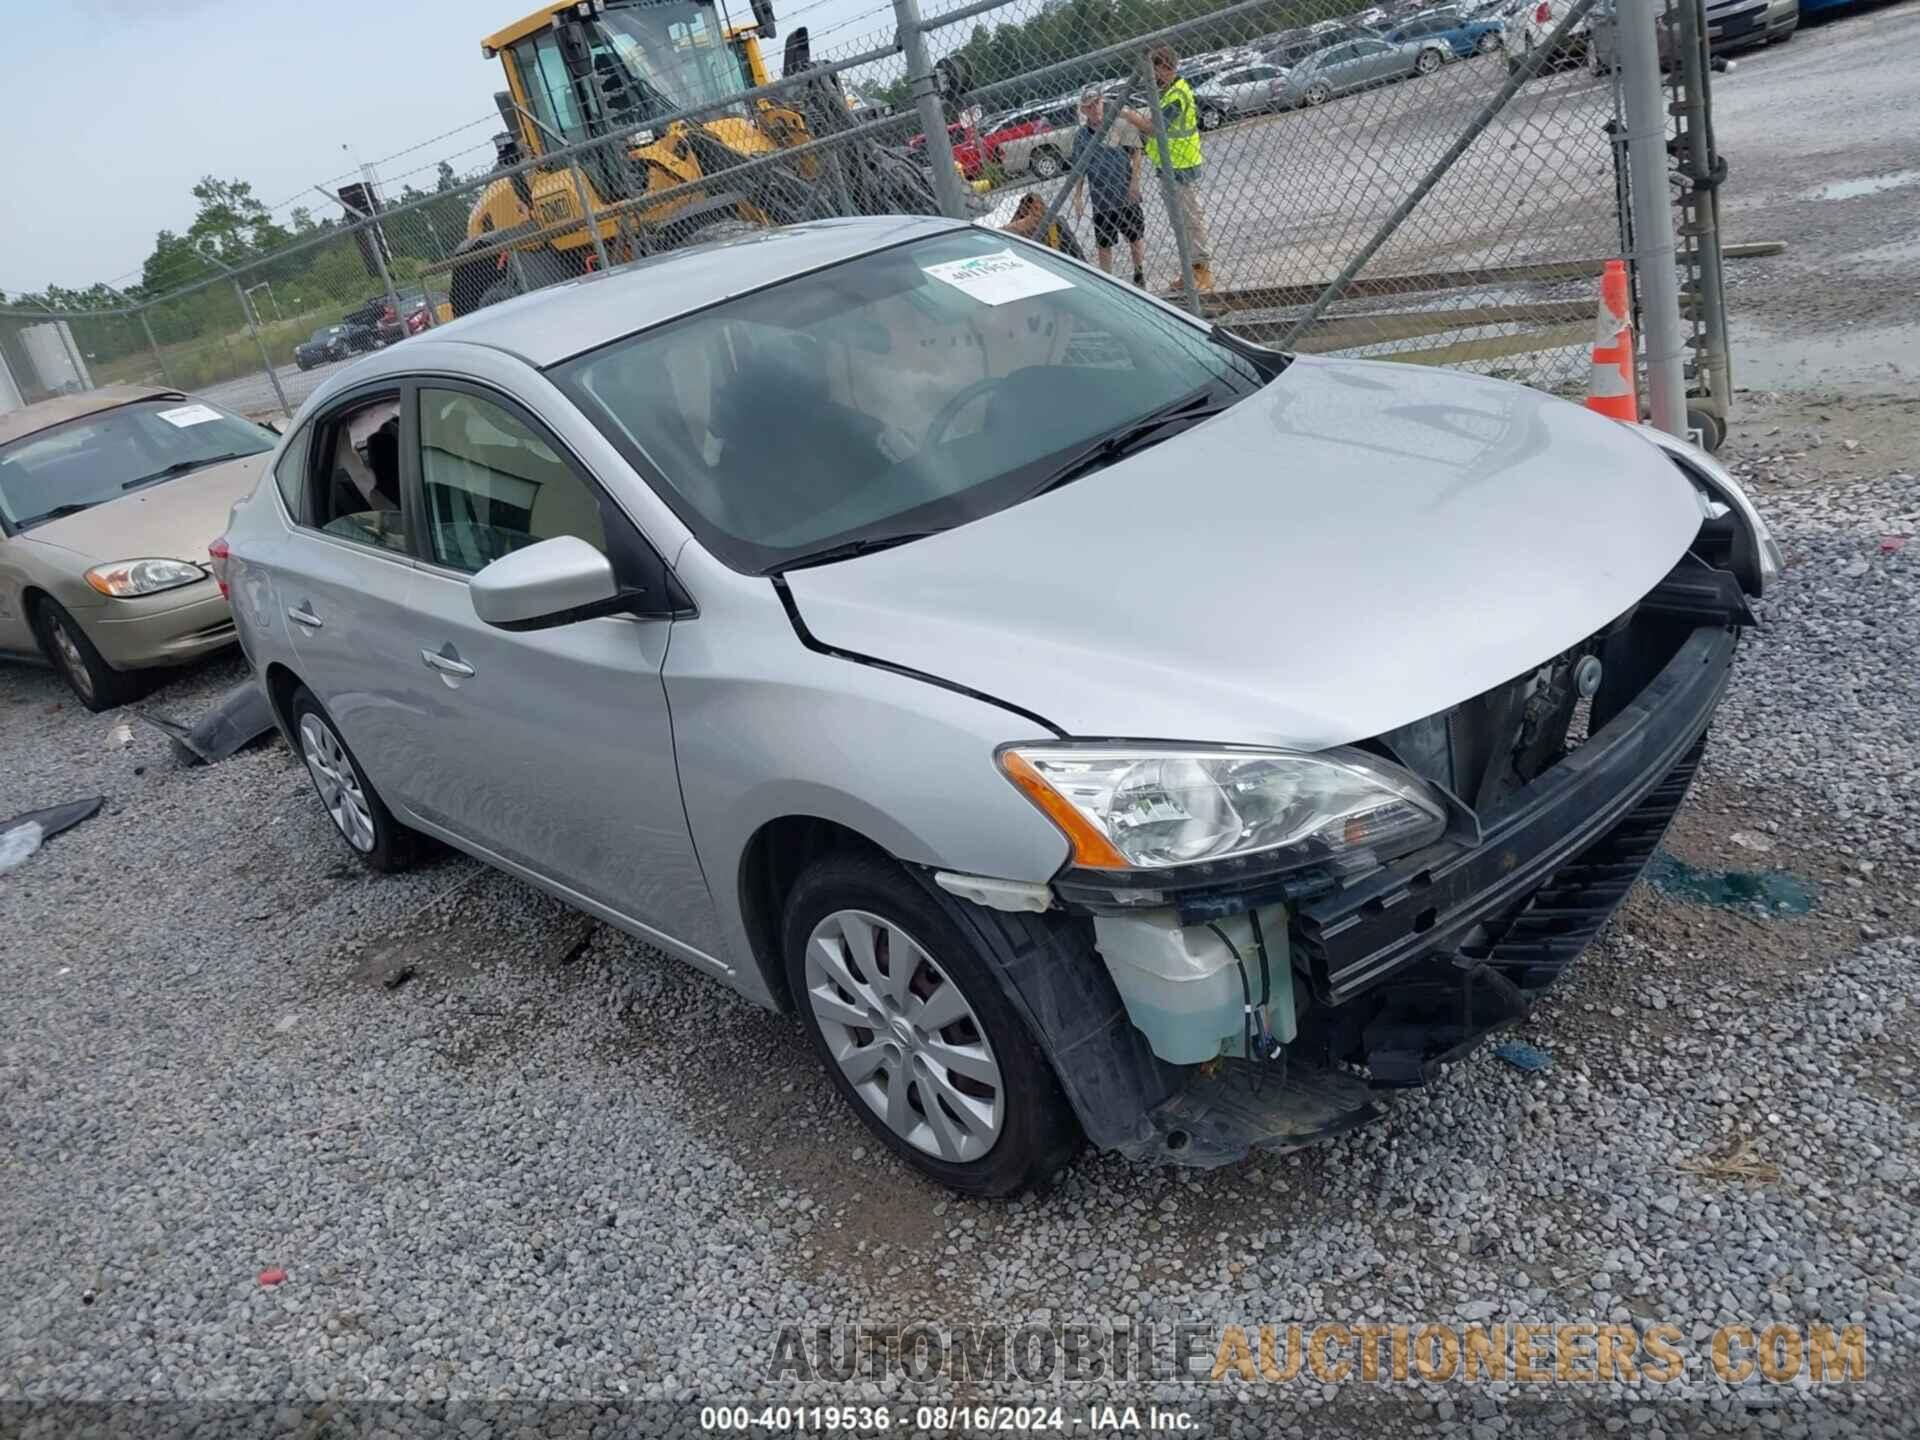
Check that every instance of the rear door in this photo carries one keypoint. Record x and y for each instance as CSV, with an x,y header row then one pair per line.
x,y
341,590
552,749
1376,60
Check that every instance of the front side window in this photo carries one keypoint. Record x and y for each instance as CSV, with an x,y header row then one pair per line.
x,y
908,390
89,461
356,491
492,486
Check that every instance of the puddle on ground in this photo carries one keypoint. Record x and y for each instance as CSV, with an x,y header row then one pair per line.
x,y
1866,185
1868,358
1775,891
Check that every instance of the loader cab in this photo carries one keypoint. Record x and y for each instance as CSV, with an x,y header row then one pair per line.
x,y
595,67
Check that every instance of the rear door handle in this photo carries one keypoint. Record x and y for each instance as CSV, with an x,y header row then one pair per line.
x,y
305,616
446,664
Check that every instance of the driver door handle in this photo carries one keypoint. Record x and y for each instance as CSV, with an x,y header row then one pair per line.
x,y
303,614
446,664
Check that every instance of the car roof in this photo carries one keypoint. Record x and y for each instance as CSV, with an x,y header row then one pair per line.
x,y
563,320
45,414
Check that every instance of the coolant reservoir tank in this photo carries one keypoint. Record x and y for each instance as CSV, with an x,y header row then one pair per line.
x,y
1181,983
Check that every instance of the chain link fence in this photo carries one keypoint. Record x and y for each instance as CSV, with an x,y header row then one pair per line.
x,y
1430,186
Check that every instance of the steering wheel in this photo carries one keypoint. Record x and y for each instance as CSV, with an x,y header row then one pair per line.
x,y
950,411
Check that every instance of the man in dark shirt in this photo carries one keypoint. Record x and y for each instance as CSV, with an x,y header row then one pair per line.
x,y
1113,178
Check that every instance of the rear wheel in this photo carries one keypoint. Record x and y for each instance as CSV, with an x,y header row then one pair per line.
x,y
95,683
354,806
1046,163
1487,43
917,1033
1428,62
1318,93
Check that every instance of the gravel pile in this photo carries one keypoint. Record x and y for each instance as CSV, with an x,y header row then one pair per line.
x,y
505,1155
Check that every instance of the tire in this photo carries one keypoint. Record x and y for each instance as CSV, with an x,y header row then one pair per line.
x,y
1487,43
95,683
1428,62
1046,163
1318,93
302,364
360,817
996,1126
1211,119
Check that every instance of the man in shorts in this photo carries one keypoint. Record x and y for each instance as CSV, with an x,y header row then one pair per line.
x,y
1113,177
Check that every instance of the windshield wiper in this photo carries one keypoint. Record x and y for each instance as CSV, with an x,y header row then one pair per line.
x,y
59,511
851,548
181,467
1131,436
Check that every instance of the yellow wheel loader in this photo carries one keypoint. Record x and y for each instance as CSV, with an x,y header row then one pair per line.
x,y
614,71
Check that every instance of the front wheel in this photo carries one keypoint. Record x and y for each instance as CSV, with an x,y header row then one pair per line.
x,y
1211,119
917,1033
1046,164
1487,43
1428,62
1318,93
95,683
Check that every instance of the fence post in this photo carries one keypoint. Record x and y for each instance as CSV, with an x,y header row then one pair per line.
x,y
253,329
1170,197
1637,48
586,213
1700,208
925,88
154,346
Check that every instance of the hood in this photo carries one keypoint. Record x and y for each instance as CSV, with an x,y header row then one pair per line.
x,y
172,520
1355,547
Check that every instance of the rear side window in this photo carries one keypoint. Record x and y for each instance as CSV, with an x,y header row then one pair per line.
x,y
356,489
292,470
493,486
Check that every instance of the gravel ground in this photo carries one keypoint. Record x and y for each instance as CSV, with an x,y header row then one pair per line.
x,y
507,1156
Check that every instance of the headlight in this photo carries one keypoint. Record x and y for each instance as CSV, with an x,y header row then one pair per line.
x,y
125,579
1161,808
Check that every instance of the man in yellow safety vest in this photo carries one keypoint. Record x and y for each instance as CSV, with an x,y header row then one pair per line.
x,y
1182,117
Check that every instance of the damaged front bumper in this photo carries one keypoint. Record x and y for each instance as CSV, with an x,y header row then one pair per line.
x,y
1415,964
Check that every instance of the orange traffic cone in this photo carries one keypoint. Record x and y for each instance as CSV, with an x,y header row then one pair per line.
x,y
1610,391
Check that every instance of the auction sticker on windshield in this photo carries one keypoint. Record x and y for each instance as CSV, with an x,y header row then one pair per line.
x,y
185,415
998,278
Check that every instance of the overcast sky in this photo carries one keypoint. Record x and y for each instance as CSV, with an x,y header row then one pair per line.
x,y
115,108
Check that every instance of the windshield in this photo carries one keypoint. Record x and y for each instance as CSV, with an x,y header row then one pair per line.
x,y
909,390
648,61
101,457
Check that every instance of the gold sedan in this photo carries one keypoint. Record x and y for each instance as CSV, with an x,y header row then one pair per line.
x,y
108,500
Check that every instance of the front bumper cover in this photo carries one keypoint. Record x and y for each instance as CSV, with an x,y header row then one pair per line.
x,y
1410,968
1430,901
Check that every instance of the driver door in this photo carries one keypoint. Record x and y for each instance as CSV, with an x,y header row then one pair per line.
x,y
551,749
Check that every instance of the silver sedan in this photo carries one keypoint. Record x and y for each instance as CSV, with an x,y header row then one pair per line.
x,y
1355,65
1093,726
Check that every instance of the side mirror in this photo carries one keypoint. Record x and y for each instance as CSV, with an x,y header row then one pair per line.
x,y
576,49
798,55
555,582
763,18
